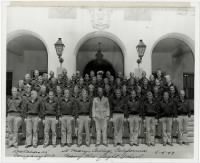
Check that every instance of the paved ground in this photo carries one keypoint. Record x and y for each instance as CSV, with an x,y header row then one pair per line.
x,y
127,151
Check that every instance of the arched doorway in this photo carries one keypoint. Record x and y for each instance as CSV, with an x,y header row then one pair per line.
x,y
175,57
112,56
25,53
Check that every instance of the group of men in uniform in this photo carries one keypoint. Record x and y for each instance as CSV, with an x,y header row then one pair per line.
x,y
98,98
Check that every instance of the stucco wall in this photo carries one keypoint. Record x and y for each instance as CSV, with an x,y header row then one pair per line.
x,y
148,24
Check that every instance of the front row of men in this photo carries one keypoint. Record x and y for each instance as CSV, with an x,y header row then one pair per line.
x,y
101,109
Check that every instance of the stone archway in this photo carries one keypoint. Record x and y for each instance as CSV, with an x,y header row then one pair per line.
x,y
175,56
113,57
26,52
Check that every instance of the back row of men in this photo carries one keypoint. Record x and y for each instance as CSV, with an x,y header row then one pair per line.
x,y
132,100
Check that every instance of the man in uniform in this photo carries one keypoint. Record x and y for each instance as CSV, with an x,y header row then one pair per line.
x,y
101,114
117,112
166,114
50,115
66,114
184,113
32,115
150,113
84,117
134,113
14,117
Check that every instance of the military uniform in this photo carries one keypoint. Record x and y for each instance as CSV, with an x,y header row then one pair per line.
x,y
117,111
83,119
184,113
166,114
14,119
50,115
150,113
32,114
66,114
101,114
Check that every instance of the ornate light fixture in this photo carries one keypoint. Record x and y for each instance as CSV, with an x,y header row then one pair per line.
x,y
59,46
141,47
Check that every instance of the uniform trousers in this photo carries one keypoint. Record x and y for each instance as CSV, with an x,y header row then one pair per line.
x,y
14,123
66,127
134,123
182,128
32,130
118,122
50,123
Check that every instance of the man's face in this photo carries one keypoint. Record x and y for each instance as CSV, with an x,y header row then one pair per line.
x,y
149,96
157,82
107,88
51,73
53,80
159,73
166,96
143,74
182,94
94,80
131,75
76,89
145,82
36,73
33,95
100,92
40,79
43,89
118,93
66,93
81,81
172,90
124,89
133,94
118,81
51,95
58,90
84,94
155,90
139,89
27,77
28,89
14,92
91,73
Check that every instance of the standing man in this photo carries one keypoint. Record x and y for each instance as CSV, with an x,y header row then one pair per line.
x,y
66,113
101,114
50,113
32,113
14,117
84,117
118,111
134,113
150,114
184,114
166,115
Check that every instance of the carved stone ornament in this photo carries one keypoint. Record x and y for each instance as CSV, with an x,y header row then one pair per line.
x,y
100,18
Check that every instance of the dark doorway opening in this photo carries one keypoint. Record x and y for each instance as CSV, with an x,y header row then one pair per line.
x,y
99,65
9,78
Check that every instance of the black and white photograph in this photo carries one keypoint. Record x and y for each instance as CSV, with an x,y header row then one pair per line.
x,y
99,81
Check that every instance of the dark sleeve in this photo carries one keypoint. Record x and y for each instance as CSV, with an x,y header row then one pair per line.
x,y
175,109
77,109
41,109
90,109
24,107
158,110
143,108
57,109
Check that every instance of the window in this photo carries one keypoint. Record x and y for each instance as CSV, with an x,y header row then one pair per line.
x,y
188,85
